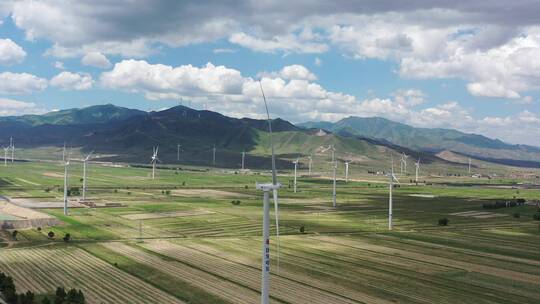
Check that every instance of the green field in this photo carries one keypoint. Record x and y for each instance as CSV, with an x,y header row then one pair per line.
x,y
199,247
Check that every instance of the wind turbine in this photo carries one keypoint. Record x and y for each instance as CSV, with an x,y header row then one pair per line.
x,y
404,162
392,178
12,146
154,160
66,165
6,149
266,188
214,156
84,175
334,166
295,169
469,165
309,164
417,165
347,171
179,146
243,158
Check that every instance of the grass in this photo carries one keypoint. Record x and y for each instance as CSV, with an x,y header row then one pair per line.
x,y
346,253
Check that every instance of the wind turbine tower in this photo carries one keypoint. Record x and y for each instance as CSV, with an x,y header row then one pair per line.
x,y
392,178
178,147
295,169
66,165
84,175
243,158
6,150
469,165
310,164
12,145
417,165
214,156
347,171
334,167
154,160
266,188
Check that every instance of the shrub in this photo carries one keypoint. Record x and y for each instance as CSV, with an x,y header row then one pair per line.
x,y
67,237
236,202
183,183
517,215
167,192
302,229
536,216
50,234
245,186
38,228
443,222
14,234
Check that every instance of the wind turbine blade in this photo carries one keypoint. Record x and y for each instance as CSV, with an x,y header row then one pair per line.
x,y
395,178
274,176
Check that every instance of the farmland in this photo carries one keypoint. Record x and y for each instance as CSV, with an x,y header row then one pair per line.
x,y
193,236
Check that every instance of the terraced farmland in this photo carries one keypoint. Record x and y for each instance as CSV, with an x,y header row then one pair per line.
x,y
41,270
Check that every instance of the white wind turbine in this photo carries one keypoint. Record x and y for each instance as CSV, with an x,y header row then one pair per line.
x,y
404,162
154,160
392,178
12,146
266,188
214,156
295,170
243,158
85,160
417,165
469,165
6,150
66,165
310,164
178,147
347,171
334,167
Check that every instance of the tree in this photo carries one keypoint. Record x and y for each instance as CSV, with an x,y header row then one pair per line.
x,y
14,234
67,237
45,301
60,295
50,234
443,222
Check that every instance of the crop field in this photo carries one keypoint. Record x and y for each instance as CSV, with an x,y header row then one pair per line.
x,y
192,235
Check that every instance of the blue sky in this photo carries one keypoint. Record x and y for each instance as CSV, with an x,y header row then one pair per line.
x,y
472,68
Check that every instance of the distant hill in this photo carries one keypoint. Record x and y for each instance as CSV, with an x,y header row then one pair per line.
x,y
429,140
89,115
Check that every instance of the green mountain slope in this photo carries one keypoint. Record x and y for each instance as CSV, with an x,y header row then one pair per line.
x,y
425,139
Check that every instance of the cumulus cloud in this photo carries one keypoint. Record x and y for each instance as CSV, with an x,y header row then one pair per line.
x,y
96,59
223,50
20,83
72,81
9,107
10,52
59,65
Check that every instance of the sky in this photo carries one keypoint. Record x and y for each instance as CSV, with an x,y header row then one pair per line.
x,y
468,65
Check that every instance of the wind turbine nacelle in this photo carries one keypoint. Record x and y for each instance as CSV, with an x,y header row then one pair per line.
x,y
267,187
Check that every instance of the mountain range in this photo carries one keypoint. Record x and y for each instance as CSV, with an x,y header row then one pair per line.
x,y
123,134
432,140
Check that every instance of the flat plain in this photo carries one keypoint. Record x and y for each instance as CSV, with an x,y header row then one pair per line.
x,y
185,238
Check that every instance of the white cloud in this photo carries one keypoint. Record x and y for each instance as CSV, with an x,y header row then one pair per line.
x,y
10,52
285,43
96,59
318,61
409,97
59,65
223,50
290,72
20,83
9,107
72,81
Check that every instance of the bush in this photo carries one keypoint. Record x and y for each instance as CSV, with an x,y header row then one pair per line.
x,y
50,234
167,192
236,202
245,186
517,215
14,234
183,183
302,229
67,237
444,222
536,216
38,228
